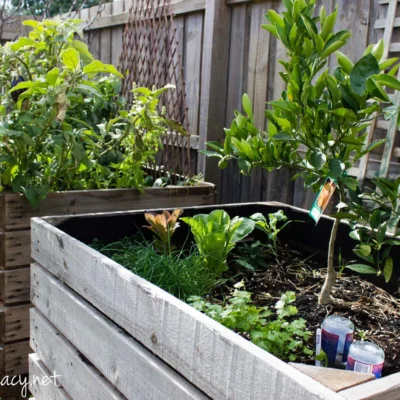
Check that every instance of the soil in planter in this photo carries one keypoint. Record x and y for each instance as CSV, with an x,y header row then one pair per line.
x,y
374,312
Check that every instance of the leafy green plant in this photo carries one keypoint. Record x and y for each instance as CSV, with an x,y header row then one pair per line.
x,y
252,256
180,273
60,128
318,125
216,235
163,227
272,332
270,227
375,214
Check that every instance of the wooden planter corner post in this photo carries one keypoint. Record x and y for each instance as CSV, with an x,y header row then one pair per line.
x,y
165,349
15,216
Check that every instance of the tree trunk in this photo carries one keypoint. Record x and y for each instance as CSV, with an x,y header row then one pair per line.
x,y
330,280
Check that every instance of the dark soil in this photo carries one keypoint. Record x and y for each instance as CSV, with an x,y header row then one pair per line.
x,y
375,313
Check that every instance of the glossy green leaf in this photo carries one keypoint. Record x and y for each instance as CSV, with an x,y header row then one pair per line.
x,y
246,103
328,50
378,50
336,168
345,62
388,269
209,153
317,159
271,28
362,70
361,268
328,25
375,219
388,81
351,183
387,63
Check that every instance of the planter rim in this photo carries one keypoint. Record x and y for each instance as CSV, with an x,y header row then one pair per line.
x,y
145,189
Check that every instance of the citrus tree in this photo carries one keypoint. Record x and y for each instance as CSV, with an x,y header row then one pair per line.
x,y
318,126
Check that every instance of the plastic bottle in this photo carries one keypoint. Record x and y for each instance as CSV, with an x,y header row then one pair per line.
x,y
336,338
365,357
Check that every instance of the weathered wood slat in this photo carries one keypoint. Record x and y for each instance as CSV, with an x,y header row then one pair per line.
x,y
15,249
395,47
115,354
2,361
192,64
77,375
105,36
117,34
216,360
14,286
257,82
121,18
381,23
334,379
231,178
17,212
38,373
215,56
384,1
388,33
387,388
14,323
16,358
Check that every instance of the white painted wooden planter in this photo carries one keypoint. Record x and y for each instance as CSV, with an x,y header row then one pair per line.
x,y
112,335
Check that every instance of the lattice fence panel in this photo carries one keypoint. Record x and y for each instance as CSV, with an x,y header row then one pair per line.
x,y
150,57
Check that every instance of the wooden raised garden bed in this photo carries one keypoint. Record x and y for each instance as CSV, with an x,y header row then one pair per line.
x,y
15,216
110,333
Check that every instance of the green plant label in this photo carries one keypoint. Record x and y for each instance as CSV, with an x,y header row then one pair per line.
x,y
322,200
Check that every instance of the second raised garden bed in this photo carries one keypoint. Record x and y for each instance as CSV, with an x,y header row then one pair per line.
x,y
15,215
100,326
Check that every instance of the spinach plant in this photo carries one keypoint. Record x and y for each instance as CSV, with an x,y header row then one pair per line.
x,y
163,226
216,235
252,256
271,331
319,124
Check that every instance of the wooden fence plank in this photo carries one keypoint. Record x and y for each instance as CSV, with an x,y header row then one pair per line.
x,y
76,374
213,81
105,36
231,178
115,354
38,373
117,34
170,328
192,67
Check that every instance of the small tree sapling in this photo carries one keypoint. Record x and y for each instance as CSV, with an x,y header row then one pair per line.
x,y
319,124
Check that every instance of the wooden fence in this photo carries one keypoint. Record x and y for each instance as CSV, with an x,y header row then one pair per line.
x,y
225,53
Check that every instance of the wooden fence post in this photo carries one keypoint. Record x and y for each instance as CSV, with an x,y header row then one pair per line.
x,y
214,80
